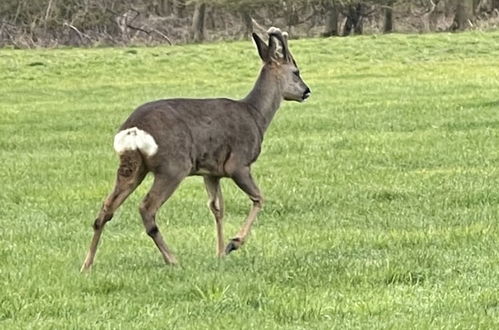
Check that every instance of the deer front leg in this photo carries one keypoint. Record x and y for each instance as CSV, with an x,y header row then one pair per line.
x,y
243,180
216,205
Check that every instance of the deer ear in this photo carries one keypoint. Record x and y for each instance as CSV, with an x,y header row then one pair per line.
x,y
263,49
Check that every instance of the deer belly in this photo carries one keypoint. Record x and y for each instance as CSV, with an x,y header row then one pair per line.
x,y
210,164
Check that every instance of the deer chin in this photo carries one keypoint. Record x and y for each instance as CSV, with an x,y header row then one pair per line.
x,y
294,98
301,98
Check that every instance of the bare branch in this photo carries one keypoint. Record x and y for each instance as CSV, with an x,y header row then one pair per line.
x,y
78,32
163,36
130,26
47,12
258,26
141,29
426,11
7,23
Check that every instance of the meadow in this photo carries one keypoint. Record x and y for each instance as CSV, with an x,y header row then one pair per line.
x,y
382,190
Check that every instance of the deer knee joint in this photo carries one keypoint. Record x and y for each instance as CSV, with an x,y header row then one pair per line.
x,y
101,220
214,206
257,201
152,231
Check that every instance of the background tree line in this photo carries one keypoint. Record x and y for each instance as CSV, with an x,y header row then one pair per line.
x,y
29,23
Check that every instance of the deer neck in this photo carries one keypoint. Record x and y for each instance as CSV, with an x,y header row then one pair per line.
x,y
265,98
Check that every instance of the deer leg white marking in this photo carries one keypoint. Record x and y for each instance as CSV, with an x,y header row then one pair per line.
x,y
243,180
216,205
124,186
162,188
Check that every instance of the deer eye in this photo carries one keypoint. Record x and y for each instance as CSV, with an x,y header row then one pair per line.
x,y
296,73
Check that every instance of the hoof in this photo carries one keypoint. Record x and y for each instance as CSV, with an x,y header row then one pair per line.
x,y
85,269
233,245
171,261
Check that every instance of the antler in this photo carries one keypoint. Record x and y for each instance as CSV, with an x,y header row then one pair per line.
x,y
282,37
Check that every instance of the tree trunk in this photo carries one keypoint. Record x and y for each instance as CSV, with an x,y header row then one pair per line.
x,y
198,22
353,22
179,8
359,22
347,27
332,13
209,21
476,4
160,7
449,7
247,23
434,16
464,15
165,7
388,24
429,18
495,4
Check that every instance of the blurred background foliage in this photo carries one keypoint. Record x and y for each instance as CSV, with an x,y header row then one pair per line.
x,y
48,23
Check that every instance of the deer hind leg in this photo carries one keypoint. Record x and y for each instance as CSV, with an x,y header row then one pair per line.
x,y
243,180
129,176
162,188
216,205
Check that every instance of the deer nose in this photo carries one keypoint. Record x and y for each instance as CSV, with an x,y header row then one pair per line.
x,y
307,93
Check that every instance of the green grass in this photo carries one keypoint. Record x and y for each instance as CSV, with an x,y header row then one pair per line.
x,y
382,191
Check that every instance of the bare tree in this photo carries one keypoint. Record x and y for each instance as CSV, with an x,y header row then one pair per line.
x,y
464,15
355,12
197,28
179,8
245,13
388,16
425,13
29,23
162,7
332,14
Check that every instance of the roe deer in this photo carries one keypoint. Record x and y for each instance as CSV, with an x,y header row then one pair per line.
x,y
214,138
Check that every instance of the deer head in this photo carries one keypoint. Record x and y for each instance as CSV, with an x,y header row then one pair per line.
x,y
278,59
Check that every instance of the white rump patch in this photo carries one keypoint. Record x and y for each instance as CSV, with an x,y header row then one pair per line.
x,y
133,139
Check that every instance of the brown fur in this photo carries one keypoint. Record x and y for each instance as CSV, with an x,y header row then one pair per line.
x,y
130,163
214,138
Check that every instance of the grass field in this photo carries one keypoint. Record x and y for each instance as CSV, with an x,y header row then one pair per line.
x,y
382,191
